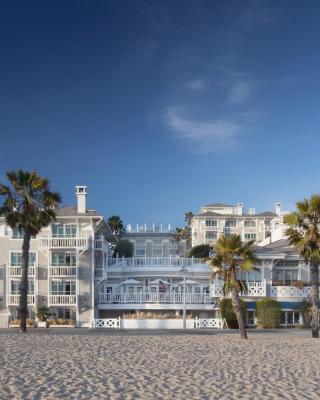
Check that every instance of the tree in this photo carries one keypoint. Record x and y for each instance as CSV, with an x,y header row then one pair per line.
x,y
231,255
116,224
200,251
227,312
304,234
124,248
28,206
188,217
268,313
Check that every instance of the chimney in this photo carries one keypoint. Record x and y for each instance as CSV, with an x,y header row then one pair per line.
x,y
278,208
251,211
239,208
81,193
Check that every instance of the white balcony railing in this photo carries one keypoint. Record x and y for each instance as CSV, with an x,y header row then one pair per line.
x,y
290,291
13,299
154,262
62,270
62,300
80,242
172,298
16,271
254,289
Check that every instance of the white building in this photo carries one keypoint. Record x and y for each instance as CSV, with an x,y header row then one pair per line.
x,y
219,219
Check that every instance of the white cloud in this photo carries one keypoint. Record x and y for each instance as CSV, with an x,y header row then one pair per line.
x,y
196,85
204,137
240,91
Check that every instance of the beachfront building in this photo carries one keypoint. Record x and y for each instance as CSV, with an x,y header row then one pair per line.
x,y
157,285
218,219
64,259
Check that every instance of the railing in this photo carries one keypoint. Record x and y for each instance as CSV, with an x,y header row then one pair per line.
x,y
64,242
254,289
62,271
107,323
16,271
172,298
63,300
13,299
290,291
154,262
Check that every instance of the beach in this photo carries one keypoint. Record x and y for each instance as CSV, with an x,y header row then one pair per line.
x,y
122,365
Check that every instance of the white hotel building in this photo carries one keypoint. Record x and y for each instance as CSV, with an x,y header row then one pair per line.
x,y
72,270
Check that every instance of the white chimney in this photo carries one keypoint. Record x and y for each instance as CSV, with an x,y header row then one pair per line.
x,y
278,208
81,193
251,211
239,208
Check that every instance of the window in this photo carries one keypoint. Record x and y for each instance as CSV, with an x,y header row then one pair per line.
x,y
289,318
211,235
68,230
15,287
63,258
284,277
157,248
211,222
249,223
249,236
63,287
17,233
140,249
231,223
250,276
16,259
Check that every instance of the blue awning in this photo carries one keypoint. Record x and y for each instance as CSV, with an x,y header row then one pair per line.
x,y
285,305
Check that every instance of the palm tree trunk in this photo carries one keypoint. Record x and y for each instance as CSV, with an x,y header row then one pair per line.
x,y
315,299
238,311
23,301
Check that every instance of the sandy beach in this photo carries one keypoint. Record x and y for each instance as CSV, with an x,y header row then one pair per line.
x,y
168,366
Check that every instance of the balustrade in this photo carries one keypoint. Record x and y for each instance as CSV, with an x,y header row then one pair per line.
x,y
191,298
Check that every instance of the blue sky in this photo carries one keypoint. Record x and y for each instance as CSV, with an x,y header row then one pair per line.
x,y
162,106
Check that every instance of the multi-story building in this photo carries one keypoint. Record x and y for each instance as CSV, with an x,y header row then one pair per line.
x,y
219,219
73,271
64,259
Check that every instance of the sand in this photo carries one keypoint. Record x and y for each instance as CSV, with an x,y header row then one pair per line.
x,y
168,366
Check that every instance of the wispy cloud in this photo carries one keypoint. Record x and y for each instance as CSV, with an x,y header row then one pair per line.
x,y
196,84
240,91
203,136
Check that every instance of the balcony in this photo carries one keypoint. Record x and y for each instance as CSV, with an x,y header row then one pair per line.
x,y
254,289
154,262
291,291
165,298
13,299
62,270
63,242
15,271
62,300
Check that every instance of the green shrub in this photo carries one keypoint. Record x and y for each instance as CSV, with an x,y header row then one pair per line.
x,y
268,313
226,310
306,314
201,251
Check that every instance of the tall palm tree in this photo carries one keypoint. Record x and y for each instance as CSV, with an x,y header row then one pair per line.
x,y
116,224
231,256
28,205
188,217
304,234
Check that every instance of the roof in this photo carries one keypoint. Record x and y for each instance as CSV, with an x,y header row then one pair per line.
x,y
214,214
149,235
279,247
218,205
71,211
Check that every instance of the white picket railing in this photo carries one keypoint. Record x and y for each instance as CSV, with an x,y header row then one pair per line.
x,y
254,289
154,262
62,271
177,323
13,299
16,271
290,291
62,300
81,242
191,298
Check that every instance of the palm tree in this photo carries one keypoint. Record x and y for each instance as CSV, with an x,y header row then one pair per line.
x,y
304,234
116,224
230,256
188,217
28,206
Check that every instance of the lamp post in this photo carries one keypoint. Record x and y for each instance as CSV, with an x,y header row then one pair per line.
x,y
184,270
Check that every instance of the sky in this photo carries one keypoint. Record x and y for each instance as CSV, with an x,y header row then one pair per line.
x,y
160,107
